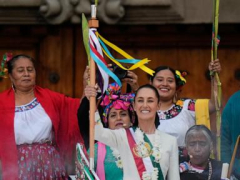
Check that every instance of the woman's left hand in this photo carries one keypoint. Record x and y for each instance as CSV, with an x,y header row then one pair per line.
x,y
132,80
215,66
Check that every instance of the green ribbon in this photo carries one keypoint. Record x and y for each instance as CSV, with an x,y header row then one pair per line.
x,y
155,164
85,167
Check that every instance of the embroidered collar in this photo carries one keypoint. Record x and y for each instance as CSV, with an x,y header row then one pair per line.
x,y
175,110
28,106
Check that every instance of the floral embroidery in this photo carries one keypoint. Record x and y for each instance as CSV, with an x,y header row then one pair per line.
x,y
176,109
27,107
144,150
117,156
180,103
191,105
40,161
150,176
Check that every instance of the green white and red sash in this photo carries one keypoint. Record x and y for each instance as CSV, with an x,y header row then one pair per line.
x,y
145,164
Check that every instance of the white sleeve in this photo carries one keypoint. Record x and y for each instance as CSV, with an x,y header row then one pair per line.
x,y
107,136
173,172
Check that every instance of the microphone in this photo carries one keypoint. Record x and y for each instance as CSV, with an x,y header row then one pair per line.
x,y
127,125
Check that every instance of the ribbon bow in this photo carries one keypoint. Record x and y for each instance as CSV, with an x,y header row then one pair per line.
x,y
114,98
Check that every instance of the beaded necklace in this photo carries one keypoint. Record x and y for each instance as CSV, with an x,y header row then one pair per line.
x,y
209,168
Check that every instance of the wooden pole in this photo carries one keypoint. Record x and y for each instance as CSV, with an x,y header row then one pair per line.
x,y
93,23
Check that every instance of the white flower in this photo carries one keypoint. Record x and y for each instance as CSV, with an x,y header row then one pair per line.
x,y
150,175
119,163
146,176
117,156
155,174
143,149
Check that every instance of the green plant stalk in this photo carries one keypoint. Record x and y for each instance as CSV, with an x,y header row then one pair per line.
x,y
219,91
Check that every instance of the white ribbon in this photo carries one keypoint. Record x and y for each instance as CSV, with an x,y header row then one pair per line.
x,y
93,40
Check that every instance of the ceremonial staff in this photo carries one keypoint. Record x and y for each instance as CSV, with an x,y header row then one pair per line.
x,y
93,23
96,48
218,94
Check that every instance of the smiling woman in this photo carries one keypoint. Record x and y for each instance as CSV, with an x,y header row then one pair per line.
x,y
146,153
178,115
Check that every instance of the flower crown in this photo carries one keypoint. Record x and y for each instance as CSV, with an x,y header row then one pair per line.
x,y
180,78
6,58
114,98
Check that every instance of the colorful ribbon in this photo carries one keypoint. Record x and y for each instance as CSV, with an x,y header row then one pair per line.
x,y
97,55
114,98
129,59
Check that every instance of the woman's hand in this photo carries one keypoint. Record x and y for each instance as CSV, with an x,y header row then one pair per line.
x,y
215,66
90,91
132,80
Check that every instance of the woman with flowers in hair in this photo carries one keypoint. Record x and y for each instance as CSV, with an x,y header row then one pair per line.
x,y
146,153
118,113
177,116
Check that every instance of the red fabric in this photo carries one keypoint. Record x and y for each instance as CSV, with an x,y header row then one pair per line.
x,y
138,160
62,111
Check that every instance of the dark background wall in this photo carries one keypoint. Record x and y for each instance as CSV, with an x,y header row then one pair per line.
x,y
61,59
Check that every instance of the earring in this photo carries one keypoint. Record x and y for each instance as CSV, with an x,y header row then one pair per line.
x,y
13,87
175,98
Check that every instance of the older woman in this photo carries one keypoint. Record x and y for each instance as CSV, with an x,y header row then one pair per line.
x,y
38,127
118,113
199,143
146,152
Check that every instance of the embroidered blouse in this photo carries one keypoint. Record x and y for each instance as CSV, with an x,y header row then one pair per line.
x,y
31,124
178,119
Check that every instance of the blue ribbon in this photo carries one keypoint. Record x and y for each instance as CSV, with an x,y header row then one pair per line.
x,y
104,67
130,61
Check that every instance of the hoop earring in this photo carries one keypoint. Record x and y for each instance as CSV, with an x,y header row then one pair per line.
x,y
13,87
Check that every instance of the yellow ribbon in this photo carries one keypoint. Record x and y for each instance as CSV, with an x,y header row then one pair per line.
x,y
140,64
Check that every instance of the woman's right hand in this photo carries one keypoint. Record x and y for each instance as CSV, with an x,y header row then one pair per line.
x,y
90,91
215,66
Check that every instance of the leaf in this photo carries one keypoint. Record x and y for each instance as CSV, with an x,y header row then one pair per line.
x,y
85,31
